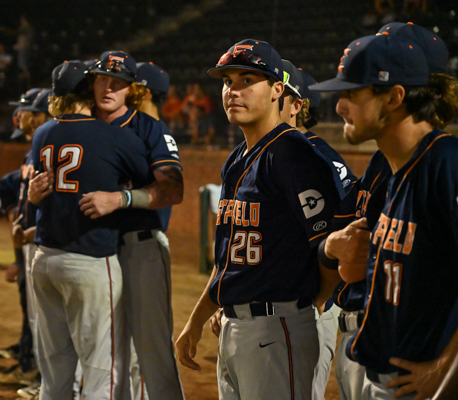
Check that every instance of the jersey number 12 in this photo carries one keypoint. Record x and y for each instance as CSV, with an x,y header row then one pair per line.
x,y
69,160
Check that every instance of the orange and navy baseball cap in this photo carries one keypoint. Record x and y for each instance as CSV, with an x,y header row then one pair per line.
x,y
27,98
297,81
250,54
433,46
153,77
383,60
69,78
40,104
117,64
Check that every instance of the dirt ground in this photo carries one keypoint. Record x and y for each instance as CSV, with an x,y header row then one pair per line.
x,y
200,167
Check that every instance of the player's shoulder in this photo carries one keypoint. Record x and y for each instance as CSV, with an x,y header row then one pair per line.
x,y
441,144
286,140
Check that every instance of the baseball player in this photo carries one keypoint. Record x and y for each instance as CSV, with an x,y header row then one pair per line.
x,y
271,212
144,251
23,229
296,111
366,199
403,295
75,266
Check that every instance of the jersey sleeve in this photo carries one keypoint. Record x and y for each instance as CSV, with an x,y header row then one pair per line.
x,y
310,184
161,146
9,190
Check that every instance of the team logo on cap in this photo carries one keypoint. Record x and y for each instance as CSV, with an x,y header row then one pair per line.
x,y
113,63
384,76
312,202
341,66
240,49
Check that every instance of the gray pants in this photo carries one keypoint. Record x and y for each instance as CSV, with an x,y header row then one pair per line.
x,y
147,296
378,391
349,374
263,358
327,326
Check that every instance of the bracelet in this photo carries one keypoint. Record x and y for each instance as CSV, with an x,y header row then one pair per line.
x,y
129,198
327,262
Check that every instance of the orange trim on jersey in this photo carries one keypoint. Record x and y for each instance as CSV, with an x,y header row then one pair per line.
x,y
338,297
381,244
312,137
130,119
74,120
321,234
43,157
164,161
290,358
112,329
375,180
70,159
345,216
235,193
143,388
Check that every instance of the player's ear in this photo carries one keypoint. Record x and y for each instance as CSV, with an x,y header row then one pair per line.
x,y
148,95
395,97
277,90
297,106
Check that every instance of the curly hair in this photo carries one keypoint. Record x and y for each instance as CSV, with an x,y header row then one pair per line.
x,y
59,104
436,103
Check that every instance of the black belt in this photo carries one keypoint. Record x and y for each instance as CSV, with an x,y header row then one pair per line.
x,y
142,236
263,309
374,376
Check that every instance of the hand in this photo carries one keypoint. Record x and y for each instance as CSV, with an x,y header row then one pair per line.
x,y
11,273
186,345
97,204
215,322
424,379
40,186
18,236
351,247
29,234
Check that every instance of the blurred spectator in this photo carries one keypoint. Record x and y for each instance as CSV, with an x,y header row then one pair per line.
x,y
171,110
24,49
382,13
414,8
5,61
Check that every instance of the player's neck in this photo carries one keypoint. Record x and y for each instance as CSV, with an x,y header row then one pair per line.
x,y
256,131
401,140
149,108
109,117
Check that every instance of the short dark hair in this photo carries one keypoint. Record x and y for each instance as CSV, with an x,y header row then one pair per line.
x,y
281,100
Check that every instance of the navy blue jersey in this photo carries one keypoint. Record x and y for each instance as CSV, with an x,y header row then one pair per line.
x,y
85,155
9,190
412,278
162,151
346,176
275,204
365,199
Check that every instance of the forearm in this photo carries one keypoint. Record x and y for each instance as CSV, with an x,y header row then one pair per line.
x,y
205,307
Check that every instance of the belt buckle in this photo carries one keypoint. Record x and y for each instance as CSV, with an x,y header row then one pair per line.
x,y
267,309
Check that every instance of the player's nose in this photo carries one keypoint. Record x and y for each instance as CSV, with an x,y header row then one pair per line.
x,y
341,107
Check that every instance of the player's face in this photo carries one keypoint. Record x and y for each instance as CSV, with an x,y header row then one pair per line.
x,y
363,114
38,119
247,96
110,92
25,120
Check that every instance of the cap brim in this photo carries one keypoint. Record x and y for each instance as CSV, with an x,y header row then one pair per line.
x,y
115,75
16,133
14,103
337,85
218,72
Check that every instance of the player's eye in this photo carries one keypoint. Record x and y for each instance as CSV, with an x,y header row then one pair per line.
x,y
228,82
248,80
